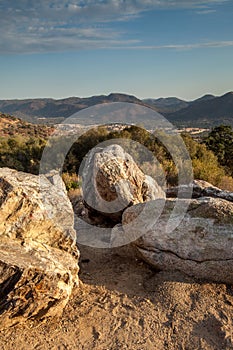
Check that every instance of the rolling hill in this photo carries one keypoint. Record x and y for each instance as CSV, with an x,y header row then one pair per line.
x,y
11,127
35,110
206,111
167,105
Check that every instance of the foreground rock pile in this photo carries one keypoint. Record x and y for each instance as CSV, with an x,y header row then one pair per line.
x,y
38,254
196,239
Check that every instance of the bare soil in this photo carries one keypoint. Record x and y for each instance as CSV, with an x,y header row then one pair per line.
x,y
122,303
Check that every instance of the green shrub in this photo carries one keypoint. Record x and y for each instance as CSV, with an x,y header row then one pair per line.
x,y
71,181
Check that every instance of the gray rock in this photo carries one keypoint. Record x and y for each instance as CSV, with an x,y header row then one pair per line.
x,y
38,253
112,181
201,245
32,208
151,190
200,189
36,281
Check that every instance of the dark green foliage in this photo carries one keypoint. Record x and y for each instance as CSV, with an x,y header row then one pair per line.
x,y
220,141
20,154
212,160
140,135
80,148
205,163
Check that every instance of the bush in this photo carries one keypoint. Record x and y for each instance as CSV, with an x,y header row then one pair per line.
x,y
25,153
71,181
220,141
205,164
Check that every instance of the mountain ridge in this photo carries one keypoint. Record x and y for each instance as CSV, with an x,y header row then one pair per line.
x,y
206,111
217,110
29,109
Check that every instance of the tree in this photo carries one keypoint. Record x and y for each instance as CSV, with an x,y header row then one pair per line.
x,y
220,141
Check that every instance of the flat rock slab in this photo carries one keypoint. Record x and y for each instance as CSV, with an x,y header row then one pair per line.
x,y
199,189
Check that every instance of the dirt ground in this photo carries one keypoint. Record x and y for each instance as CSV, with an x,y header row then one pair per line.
x,y
122,303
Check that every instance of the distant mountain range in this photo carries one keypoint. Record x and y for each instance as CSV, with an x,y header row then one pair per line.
x,y
206,111
34,109
167,105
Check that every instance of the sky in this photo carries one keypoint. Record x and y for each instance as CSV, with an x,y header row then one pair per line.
x,y
147,48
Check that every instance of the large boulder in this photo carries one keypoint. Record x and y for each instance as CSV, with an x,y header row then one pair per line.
x,y
38,253
112,181
200,243
33,208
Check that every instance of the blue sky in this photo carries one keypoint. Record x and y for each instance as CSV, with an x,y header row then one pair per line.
x,y
148,48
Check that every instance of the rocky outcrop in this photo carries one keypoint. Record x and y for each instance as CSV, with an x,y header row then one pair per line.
x,y
200,245
112,181
200,188
38,253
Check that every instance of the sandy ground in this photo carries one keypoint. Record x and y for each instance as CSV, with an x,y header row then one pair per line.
x,y
123,304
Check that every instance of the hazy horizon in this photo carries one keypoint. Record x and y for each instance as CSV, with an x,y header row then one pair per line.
x,y
114,92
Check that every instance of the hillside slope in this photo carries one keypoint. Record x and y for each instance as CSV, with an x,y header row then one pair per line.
x,y
32,109
12,126
206,112
167,105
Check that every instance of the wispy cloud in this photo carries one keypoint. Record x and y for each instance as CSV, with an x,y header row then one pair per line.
x,y
205,12
213,44
59,25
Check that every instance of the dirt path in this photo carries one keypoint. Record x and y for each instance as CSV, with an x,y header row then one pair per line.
x,y
123,304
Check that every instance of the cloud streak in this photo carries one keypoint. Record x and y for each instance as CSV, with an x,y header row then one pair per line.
x,y
213,44
56,26
205,12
